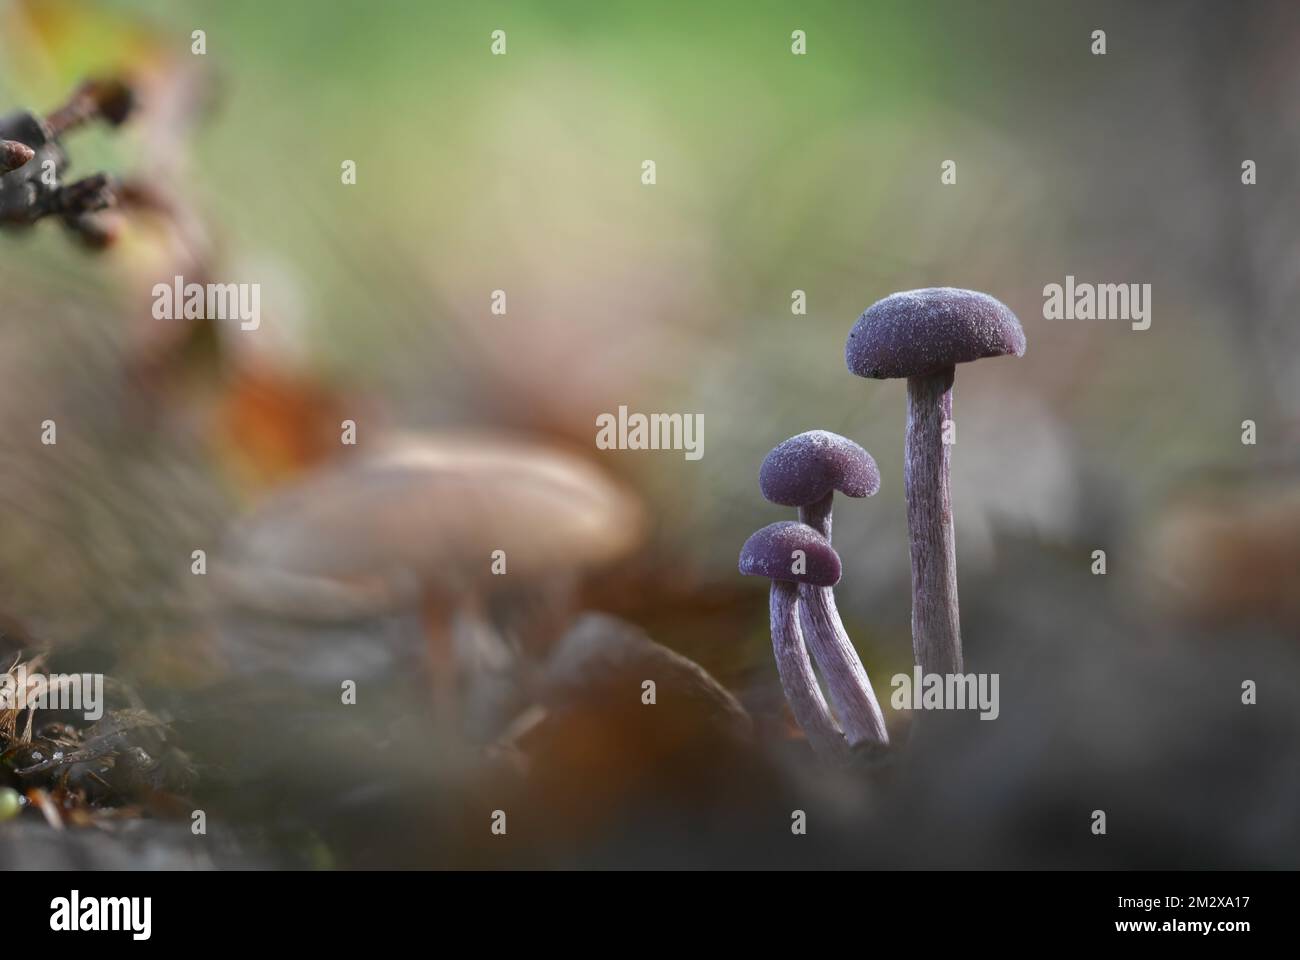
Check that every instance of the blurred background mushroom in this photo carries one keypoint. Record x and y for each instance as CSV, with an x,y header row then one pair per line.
x,y
482,538
1226,554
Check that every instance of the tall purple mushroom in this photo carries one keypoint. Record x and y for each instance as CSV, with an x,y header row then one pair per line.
x,y
922,335
790,553
804,472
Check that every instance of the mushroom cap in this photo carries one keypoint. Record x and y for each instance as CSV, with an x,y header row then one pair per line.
x,y
917,332
805,468
768,554
422,518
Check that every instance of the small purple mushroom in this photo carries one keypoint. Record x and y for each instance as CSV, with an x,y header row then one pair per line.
x,y
789,554
804,472
922,335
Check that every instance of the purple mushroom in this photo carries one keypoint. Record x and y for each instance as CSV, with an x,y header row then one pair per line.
x,y
804,472
922,335
789,554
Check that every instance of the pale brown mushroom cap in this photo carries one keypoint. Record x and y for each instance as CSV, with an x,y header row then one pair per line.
x,y
423,517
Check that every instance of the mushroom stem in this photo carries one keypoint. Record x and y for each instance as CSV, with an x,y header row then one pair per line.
x,y
818,514
797,678
936,625
846,679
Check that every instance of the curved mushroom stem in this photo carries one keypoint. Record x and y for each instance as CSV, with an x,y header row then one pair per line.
x,y
846,679
797,678
818,515
936,625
